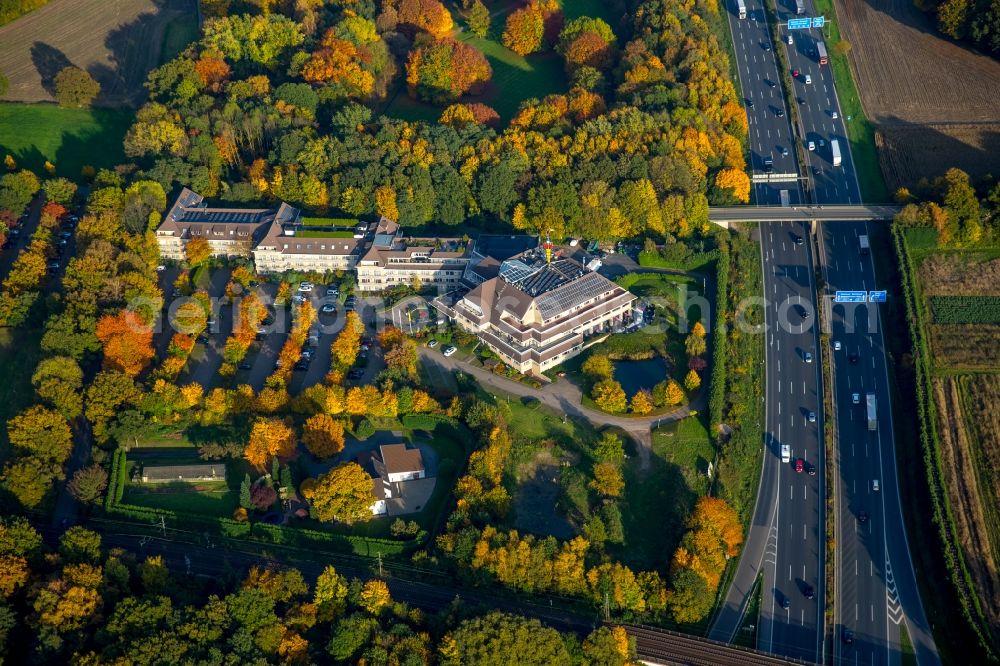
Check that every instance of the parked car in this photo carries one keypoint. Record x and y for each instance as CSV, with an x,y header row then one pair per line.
x,y
432,343
329,308
246,366
333,292
305,286
355,374
449,350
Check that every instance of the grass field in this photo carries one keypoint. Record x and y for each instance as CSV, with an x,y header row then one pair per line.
x,y
668,490
208,498
69,138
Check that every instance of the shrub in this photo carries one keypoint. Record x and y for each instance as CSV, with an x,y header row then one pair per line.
x,y
365,429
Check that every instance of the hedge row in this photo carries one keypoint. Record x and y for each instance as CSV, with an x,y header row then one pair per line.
x,y
117,479
942,517
717,385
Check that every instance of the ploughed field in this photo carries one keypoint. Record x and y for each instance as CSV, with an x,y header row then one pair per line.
x,y
935,103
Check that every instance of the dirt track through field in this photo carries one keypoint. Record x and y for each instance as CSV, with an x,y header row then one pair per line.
x,y
959,463
116,41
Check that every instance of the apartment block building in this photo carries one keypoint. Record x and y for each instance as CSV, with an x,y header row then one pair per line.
x,y
391,260
230,232
539,309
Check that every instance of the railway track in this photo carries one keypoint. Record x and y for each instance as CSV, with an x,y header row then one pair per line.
x,y
659,646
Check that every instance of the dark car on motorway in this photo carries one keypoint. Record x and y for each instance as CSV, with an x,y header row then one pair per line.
x,y
809,592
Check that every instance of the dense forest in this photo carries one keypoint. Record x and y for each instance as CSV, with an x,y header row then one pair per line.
x,y
82,603
283,104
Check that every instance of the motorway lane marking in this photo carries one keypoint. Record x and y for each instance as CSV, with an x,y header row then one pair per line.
x,y
804,538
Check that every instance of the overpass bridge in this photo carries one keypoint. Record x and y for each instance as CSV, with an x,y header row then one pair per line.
x,y
660,647
803,213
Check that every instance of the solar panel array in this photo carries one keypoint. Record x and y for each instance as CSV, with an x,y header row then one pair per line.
x,y
223,216
570,295
514,270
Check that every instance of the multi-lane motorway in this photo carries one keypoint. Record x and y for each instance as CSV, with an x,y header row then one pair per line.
x,y
792,604
876,587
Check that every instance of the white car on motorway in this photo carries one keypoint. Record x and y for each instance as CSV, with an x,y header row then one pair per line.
x,y
812,146
856,398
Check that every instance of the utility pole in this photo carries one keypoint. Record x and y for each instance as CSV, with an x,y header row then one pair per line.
x,y
163,526
380,564
607,607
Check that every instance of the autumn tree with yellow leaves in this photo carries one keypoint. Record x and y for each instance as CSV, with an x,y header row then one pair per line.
x,y
269,438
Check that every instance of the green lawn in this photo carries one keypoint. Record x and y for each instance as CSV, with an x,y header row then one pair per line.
x,y
180,32
324,234
207,498
69,138
860,130
19,354
328,221
668,490
609,10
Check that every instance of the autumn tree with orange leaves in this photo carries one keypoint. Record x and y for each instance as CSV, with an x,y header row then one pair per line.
x,y
269,438
444,70
714,536
127,342
424,15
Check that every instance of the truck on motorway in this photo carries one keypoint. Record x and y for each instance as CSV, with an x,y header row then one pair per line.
x,y
741,7
786,453
872,413
835,152
768,164
863,244
821,53
800,7
785,199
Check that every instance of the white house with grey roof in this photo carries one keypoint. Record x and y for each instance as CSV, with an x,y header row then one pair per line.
x,y
538,310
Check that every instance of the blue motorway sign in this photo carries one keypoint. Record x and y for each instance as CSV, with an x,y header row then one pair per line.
x,y
818,21
876,297
799,23
851,297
